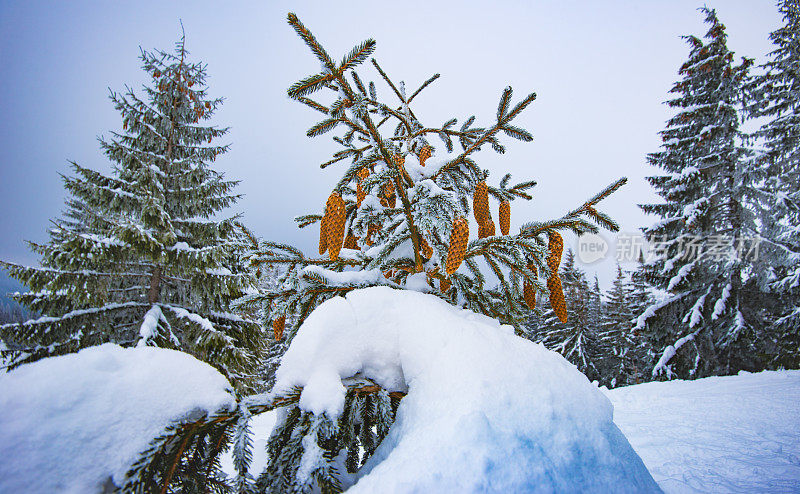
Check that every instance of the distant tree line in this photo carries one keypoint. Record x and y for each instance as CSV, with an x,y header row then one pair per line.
x,y
725,262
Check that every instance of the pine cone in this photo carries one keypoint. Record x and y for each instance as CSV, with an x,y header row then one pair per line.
x,y
480,203
557,298
425,249
336,214
350,242
445,285
424,154
556,247
277,327
363,173
458,244
323,235
505,217
388,193
528,291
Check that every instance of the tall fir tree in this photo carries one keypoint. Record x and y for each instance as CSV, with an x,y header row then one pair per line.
x,y
139,258
775,97
616,332
704,257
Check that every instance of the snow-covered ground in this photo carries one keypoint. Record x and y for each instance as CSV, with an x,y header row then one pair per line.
x,y
716,435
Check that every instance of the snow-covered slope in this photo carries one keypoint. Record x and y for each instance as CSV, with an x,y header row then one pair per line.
x,y
719,434
68,424
486,411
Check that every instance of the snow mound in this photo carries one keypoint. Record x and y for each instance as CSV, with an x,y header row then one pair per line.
x,y
486,411
70,423
718,434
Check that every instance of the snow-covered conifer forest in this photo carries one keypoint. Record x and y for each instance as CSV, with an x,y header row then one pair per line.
x,y
441,338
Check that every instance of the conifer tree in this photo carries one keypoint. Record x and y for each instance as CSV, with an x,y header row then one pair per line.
x,y
617,333
775,96
138,258
703,250
399,217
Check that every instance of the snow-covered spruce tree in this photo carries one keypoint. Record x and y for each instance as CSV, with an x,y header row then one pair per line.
x,y
399,217
577,337
703,256
138,258
775,96
617,335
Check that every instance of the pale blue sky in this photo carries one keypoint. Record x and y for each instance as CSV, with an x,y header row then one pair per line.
x,y
600,69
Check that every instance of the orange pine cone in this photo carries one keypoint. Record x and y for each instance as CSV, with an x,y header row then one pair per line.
x,y
277,327
557,298
425,248
556,247
486,229
445,285
388,192
335,212
480,202
504,216
350,241
458,244
323,235
363,173
528,291
424,154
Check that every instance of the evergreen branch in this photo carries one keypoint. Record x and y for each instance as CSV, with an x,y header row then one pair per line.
x,y
323,127
357,55
423,86
307,219
388,81
308,85
520,106
313,104
505,99
518,133
358,83
311,41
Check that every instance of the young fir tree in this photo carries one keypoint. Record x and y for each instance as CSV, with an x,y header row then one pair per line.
x,y
138,258
703,238
399,217
617,334
775,96
577,337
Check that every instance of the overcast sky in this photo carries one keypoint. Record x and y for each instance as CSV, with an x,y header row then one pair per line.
x,y
601,70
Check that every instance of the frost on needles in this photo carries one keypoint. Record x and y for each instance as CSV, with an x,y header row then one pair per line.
x,y
139,258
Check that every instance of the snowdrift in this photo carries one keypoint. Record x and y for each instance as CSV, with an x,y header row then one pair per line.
x,y
486,411
72,423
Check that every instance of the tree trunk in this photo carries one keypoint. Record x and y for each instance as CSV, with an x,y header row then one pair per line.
x,y
155,286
